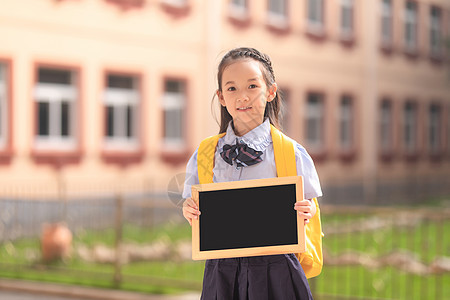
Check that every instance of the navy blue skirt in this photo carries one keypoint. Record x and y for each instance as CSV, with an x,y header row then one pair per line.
x,y
255,278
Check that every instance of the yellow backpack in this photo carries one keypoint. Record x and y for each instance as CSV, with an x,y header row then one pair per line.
x,y
283,148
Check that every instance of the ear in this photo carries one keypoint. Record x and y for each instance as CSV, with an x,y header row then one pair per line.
x,y
272,92
220,96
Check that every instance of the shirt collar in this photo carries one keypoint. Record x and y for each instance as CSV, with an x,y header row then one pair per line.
x,y
258,138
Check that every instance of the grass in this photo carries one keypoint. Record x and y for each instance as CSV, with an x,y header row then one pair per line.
x,y
386,283
136,234
427,240
21,260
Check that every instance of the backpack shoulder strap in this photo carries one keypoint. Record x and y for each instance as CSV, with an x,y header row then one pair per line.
x,y
283,148
205,158
284,152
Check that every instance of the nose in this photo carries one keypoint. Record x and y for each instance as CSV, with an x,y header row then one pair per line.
x,y
242,97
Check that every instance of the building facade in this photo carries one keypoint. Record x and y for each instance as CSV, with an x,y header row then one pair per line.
x,y
118,93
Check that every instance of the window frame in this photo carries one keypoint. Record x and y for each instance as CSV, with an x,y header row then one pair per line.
x,y
387,44
178,102
122,151
4,105
180,153
55,94
58,157
411,152
6,148
435,151
447,128
316,28
347,152
177,8
386,153
317,150
127,4
436,53
119,99
239,13
411,50
349,35
276,20
286,120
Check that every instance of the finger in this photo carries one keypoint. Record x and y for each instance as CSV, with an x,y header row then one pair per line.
x,y
303,203
306,221
191,210
305,215
190,215
303,208
190,203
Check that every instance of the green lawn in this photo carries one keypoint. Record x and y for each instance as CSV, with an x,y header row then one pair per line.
x,y
385,283
21,260
426,239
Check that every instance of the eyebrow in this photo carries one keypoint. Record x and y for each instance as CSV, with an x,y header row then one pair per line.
x,y
232,82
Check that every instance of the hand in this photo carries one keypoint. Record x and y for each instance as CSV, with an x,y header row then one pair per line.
x,y
190,210
306,209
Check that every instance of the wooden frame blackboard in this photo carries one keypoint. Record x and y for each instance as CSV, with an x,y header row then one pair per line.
x,y
248,218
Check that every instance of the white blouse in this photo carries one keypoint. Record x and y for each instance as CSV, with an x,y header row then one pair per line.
x,y
259,139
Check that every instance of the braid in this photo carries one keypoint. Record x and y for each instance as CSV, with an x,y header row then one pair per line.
x,y
252,53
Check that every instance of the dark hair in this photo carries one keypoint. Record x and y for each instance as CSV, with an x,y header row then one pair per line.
x,y
273,108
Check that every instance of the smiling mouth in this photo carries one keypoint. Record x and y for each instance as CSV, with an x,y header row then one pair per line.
x,y
244,108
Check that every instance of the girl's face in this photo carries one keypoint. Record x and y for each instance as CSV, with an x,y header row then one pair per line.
x,y
245,94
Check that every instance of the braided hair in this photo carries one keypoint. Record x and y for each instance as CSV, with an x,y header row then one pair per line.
x,y
273,108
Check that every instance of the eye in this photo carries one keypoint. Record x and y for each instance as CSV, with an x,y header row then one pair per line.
x,y
252,86
231,88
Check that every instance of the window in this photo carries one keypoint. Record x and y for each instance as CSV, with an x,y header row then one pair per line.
x,y
278,7
285,109
410,127
346,123
386,23
435,32
448,129
175,3
238,9
315,121
3,106
56,98
176,8
346,19
121,99
315,16
434,131
239,3
127,4
386,126
411,27
174,101
277,13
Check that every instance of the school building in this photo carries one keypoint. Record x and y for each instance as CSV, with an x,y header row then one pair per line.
x,y
117,93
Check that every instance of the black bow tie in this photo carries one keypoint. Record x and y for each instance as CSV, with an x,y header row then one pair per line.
x,y
241,153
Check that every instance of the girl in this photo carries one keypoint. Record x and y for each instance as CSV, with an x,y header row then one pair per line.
x,y
249,101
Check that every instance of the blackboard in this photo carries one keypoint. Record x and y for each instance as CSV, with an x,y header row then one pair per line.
x,y
248,218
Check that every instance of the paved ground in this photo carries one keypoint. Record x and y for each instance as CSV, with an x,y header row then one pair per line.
x,y
7,295
30,290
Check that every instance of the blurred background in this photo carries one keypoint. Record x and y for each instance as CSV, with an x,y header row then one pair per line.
x,y
102,102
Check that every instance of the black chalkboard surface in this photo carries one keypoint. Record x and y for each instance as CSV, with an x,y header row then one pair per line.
x,y
248,218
